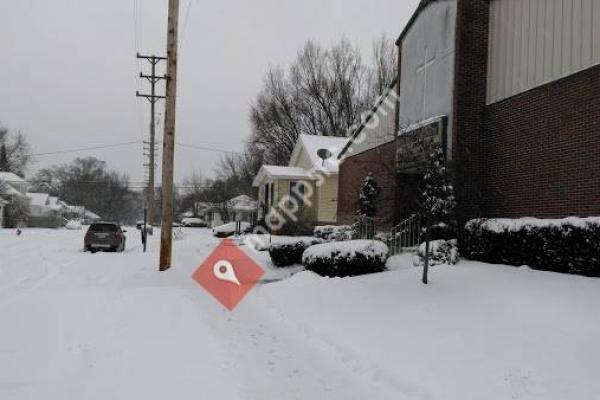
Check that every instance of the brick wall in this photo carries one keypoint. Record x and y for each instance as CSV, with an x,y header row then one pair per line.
x,y
543,150
380,161
469,106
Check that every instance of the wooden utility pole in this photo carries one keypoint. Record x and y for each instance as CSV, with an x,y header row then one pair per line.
x,y
168,154
152,98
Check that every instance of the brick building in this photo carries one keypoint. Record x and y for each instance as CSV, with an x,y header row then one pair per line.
x,y
371,149
511,90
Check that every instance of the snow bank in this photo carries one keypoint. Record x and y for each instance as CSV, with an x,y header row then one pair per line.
x,y
74,225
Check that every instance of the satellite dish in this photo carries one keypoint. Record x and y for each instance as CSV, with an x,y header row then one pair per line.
x,y
324,154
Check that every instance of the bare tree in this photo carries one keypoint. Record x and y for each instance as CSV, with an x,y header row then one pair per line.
x,y
322,93
14,152
384,67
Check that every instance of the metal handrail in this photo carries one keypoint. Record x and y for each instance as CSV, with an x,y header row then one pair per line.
x,y
406,234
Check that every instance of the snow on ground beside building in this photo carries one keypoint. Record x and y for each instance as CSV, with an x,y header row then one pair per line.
x,y
106,325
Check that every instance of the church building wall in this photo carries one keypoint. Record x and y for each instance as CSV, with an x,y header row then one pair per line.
x,y
533,42
427,65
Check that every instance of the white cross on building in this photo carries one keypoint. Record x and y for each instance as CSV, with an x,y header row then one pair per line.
x,y
424,69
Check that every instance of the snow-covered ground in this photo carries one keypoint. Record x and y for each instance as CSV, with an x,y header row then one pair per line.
x,y
107,326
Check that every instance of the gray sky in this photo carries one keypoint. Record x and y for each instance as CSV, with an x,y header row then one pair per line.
x,y
68,73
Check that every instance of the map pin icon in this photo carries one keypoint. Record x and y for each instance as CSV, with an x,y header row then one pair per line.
x,y
223,270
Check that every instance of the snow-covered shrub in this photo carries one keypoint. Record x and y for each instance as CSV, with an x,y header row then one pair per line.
x,y
440,252
570,245
367,198
194,223
333,232
350,258
229,229
290,253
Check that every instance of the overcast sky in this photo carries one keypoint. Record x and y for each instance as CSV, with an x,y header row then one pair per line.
x,y
68,73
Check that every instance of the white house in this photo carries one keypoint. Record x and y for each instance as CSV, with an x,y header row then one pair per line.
x,y
242,208
313,169
209,213
15,185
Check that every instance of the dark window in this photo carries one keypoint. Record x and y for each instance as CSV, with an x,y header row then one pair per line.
x,y
104,228
297,190
267,194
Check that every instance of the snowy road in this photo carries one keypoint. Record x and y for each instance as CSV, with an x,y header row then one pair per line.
x,y
107,326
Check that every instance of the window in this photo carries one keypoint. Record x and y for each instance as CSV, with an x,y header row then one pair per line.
x,y
297,190
267,196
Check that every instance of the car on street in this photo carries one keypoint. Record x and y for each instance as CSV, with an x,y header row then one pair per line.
x,y
106,236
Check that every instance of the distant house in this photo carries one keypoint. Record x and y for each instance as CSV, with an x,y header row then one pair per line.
x,y
209,212
13,190
312,171
44,211
79,213
14,185
242,208
38,204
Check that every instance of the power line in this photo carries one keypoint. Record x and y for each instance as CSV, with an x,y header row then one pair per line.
x,y
206,148
107,146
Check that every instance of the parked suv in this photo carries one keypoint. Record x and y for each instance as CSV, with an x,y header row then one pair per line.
x,y
104,236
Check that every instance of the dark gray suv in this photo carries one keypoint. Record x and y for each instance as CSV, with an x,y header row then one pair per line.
x,y
104,236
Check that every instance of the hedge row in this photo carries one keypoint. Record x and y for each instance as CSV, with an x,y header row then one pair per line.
x,y
570,245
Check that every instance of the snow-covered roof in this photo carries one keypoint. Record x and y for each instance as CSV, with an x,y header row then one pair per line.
x,y
79,209
3,202
312,144
38,199
243,203
204,206
9,177
8,190
276,172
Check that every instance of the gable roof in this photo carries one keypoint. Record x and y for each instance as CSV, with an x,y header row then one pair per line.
x,y
9,177
373,111
422,5
312,144
243,203
277,172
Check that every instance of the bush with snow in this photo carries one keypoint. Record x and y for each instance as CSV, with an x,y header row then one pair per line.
x,y
349,258
290,253
440,252
74,225
570,245
334,232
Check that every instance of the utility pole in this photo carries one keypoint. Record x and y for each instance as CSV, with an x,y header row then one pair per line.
x,y
152,98
168,154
